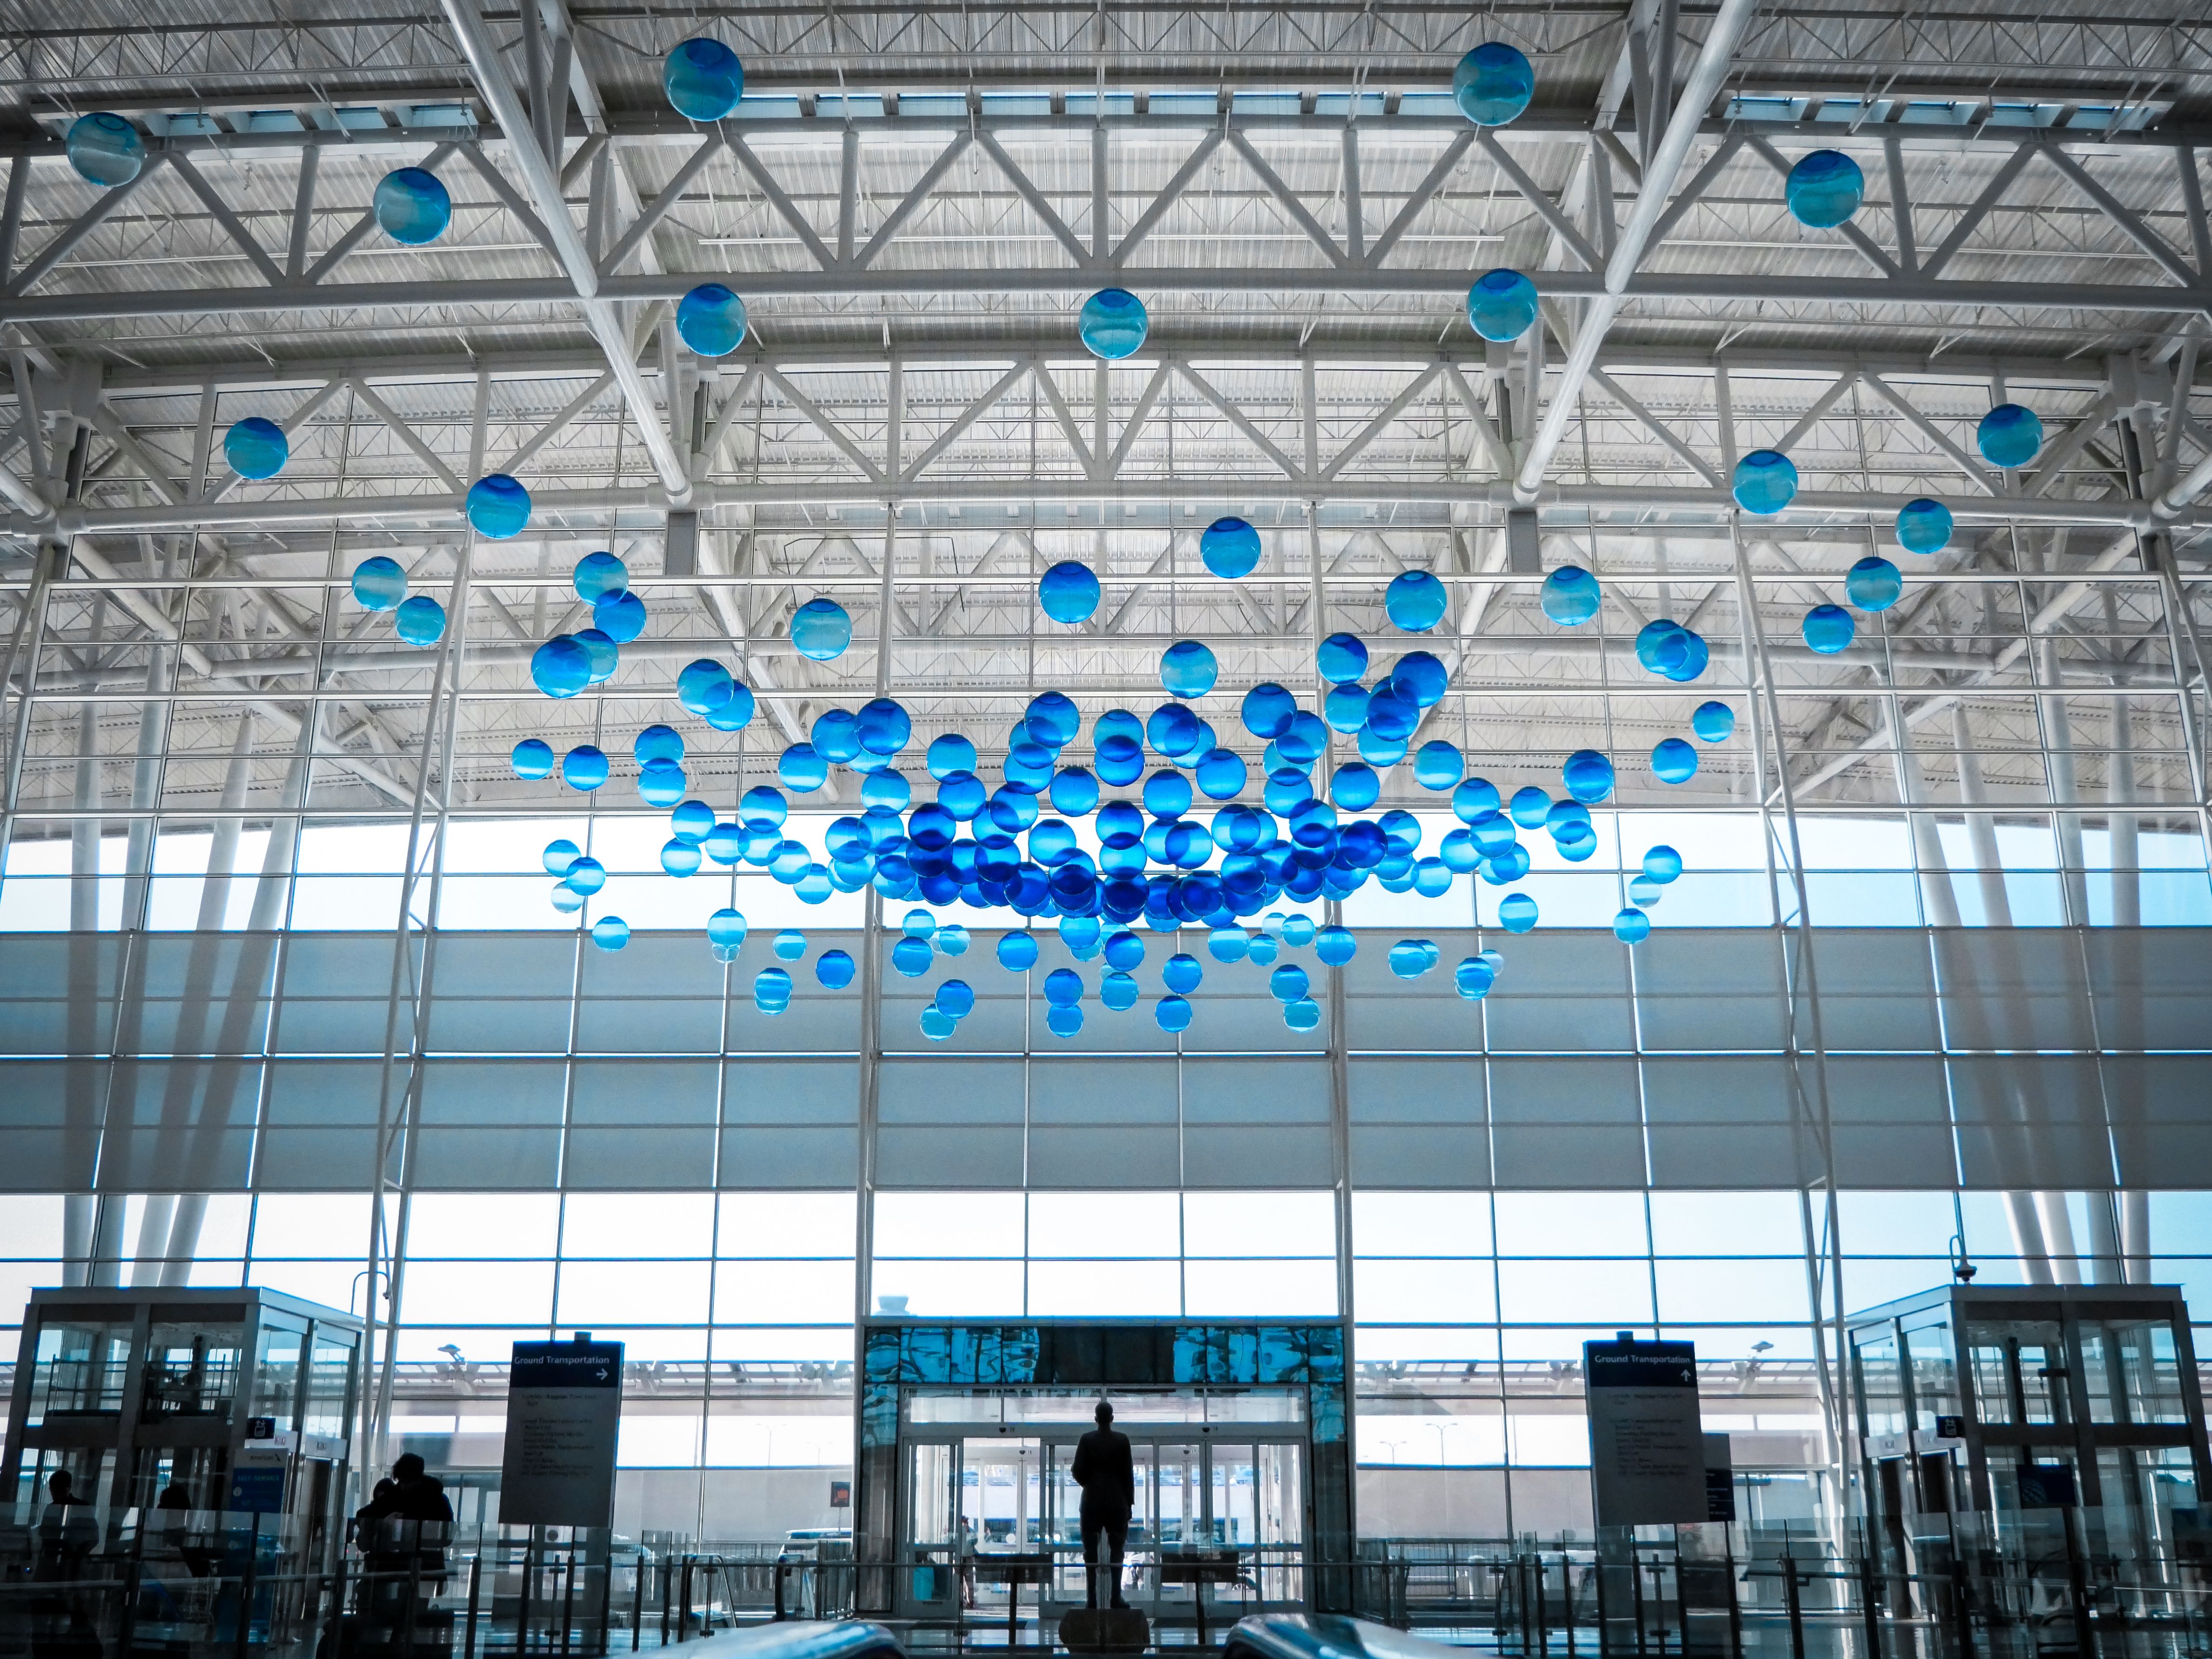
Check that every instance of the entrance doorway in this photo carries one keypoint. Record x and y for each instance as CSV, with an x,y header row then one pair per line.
x,y
1213,1471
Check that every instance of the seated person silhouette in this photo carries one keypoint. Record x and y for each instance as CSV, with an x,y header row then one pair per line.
x,y
1107,1475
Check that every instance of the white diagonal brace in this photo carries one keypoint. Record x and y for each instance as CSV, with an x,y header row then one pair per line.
x,y
785,209
1501,458
1167,198
973,413
1658,428
1235,417
181,166
1289,201
1374,429
1729,20
85,223
543,184
913,199
1025,187
657,210
406,433
1424,193
1967,465
2052,463
1868,247
1821,405
2137,232
819,419
1533,193
1992,193
1137,416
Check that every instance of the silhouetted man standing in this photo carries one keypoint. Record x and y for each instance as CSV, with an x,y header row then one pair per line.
x,y
1107,1475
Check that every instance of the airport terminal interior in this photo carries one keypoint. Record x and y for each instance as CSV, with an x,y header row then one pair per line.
x,y
748,750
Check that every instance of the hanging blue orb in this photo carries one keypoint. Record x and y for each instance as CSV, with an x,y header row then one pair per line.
x,y
1120,759
918,924
679,857
1438,765
962,794
949,754
1672,650
1345,708
835,968
1267,711
704,686
1631,925
1472,979
379,583
1167,794
1570,596
1420,678
1872,584
1589,776
1172,1014
1501,305
598,574
1412,958
586,875
1181,973
560,854
1824,189
1714,722
1414,601
1923,527
1063,986
1288,982
763,808
911,956
1068,592
1113,322
1391,717
2009,435
820,630
1221,775
1828,628
1662,864
533,758
1765,482
1341,658
885,727
654,743
1355,787
105,150
1302,1015
1492,84
610,932
1018,952
620,617
420,620
560,667
772,990
1074,791
1227,943
694,821
1673,761
888,790
952,940
605,654
837,737
661,783
1118,992
255,448
1516,913
736,714
704,79
1187,669
412,206
1530,807
584,767
1230,548
711,319
498,507
801,770
726,928
957,998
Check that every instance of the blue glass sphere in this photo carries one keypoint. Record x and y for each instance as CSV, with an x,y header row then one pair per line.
x,y
584,767
1345,708
763,808
1227,943
835,968
1824,189
1074,791
1068,592
1673,761
704,79
1120,759
1181,973
1302,1015
1118,992
620,617
1341,658
693,821
1570,596
1267,710
1530,807
1492,84
560,667
1052,719
948,754
1414,601
1187,669
1063,986
1714,722
598,574
1672,650
1063,1019
820,630
560,854
679,857
585,875
1355,787
605,654
1645,892
2009,435
498,507
1173,730
711,319
918,924
105,150
736,714
1589,776
772,990
412,206
1420,677
885,727
255,448
962,794
1501,305
1923,527
1516,913
379,583
661,783
957,998
801,770
1438,765
654,743
420,620
1018,952
1222,774
888,790
911,956
1167,794
610,932
1473,978
1662,864
704,685
1765,482
952,939
1172,1014
1230,548
1113,322
1828,628
1631,925
1391,717
726,928
533,758
1872,584
1288,982
1412,958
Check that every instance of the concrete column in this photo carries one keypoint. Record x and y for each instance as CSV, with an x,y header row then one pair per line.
x,y
2027,1237
2103,1265
2058,1237
223,854
107,1241
1981,832
2135,1235
1938,900
84,833
153,1239
77,1221
2120,790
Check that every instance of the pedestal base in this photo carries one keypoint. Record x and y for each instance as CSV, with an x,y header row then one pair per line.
x,y
1105,1630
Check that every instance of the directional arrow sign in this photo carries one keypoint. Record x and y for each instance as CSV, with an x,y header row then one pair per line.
x,y
563,1415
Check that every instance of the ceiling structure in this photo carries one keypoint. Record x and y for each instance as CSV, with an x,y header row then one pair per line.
x,y
913,202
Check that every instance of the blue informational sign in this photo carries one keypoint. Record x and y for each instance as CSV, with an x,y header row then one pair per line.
x,y
257,1490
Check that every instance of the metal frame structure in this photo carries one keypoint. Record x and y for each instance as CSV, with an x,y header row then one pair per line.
x,y
911,201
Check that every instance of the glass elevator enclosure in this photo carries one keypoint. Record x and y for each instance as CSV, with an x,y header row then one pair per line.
x,y
204,1424
2002,1411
